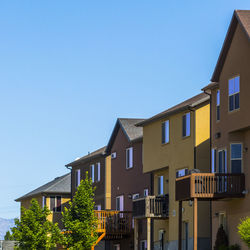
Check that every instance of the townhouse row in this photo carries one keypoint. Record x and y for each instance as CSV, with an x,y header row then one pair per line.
x,y
176,177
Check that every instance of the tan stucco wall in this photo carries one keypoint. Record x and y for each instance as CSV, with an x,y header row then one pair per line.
x,y
237,63
108,183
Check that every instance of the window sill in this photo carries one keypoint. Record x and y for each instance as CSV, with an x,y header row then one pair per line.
x,y
186,137
233,111
164,144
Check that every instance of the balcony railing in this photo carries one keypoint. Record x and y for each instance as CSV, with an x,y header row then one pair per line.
x,y
151,207
210,186
115,224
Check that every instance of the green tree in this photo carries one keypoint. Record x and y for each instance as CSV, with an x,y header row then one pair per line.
x,y
244,230
8,236
79,220
34,230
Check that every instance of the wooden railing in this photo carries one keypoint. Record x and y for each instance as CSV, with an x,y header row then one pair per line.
x,y
114,222
151,206
210,186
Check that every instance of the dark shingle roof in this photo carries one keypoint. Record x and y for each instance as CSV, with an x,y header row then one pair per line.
x,y
243,18
211,85
97,153
60,185
190,103
132,132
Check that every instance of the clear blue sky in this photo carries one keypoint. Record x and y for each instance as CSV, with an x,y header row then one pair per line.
x,y
68,69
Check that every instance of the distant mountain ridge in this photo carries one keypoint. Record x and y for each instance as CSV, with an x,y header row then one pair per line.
x,y
5,225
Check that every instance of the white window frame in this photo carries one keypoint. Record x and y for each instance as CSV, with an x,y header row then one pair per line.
x,y
213,160
117,247
92,172
55,197
98,171
181,172
234,93
129,158
145,192
165,140
98,207
236,158
121,204
78,177
113,155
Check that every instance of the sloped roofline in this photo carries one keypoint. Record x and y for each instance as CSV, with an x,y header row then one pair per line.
x,y
118,125
227,43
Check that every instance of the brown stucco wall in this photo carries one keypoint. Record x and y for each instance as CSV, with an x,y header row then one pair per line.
x,y
128,181
100,185
237,63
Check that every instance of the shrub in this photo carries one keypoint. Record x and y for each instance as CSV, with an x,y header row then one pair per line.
x,y
221,242
244,230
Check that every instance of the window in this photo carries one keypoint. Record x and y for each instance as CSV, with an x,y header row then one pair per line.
x,y
143,245
117,247
92,172
222,161
213,160
98,207
135,196
129,157
44,201
161,238
55,203
78,177
236,158
234,93
181,172
186,125
186,235
218,105
165,132
98,171
119,203
145,193
160,185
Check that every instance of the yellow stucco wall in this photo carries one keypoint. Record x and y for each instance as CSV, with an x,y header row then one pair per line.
x,y
179,153
55,217
108,183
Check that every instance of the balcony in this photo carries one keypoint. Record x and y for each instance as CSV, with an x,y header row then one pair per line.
x,y
151,207
114,224
209,186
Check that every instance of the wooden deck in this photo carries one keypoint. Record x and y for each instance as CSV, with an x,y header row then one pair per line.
x,y
151,207
209,186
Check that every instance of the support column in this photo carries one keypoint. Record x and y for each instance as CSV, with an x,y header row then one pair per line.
x,y
195,224
136,234
180,227
148,233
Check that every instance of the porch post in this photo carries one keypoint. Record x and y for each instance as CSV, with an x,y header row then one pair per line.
x,y
195,223
135,234
180,227
148,233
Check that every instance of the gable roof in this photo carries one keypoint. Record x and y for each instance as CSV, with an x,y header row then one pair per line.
x,y
99,152
190,103
60,185
241,17
132,132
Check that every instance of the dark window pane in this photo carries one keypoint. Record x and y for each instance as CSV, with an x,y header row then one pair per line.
x,y
237,101
218,98
183,125
58,204
188,125
218,113
220,162
231,103
52,203
236,151
236,166
163,133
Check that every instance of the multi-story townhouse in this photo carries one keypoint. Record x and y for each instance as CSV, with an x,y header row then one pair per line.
x,y
97,164
55,195
128,180
230,129
176,143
